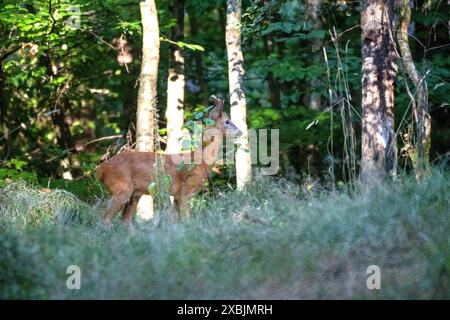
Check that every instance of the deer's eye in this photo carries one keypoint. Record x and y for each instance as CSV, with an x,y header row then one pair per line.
x,y
227,121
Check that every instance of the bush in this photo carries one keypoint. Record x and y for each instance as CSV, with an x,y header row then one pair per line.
x,y
273,240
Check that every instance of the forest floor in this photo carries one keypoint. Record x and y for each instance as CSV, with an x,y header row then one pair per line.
x,y
276,240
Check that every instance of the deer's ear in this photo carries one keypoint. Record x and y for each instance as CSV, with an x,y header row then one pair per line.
x,y
216,112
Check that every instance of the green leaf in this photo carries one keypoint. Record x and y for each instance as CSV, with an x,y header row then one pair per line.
x,y
186,145
152,188
198,115
208,122
194,47
286,27
318,34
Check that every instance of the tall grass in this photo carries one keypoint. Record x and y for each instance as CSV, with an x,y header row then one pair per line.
x,y
273,240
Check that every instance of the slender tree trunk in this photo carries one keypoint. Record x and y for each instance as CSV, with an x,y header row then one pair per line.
x,y
6,142
129,104
3,114
63,134
222,19
198,60
420,102
379,151
175,82
69,165
237,91
146,102
274,87
314,9
285,86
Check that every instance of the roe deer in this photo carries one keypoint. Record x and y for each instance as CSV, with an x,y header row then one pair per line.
x,y
127,175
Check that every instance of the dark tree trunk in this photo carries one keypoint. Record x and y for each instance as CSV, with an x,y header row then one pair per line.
x,y
379,151
274,87
198,60
222,19
314,9
3,115
129,106
6,139
64,137
286,87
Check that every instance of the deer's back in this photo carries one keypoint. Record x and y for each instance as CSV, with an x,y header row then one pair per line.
x,y
127,170
133,170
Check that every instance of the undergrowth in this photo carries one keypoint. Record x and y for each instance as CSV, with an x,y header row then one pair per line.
x,y
274,240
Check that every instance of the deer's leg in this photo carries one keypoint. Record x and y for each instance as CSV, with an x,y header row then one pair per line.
x,y
175,209
130,208
118,200
183,209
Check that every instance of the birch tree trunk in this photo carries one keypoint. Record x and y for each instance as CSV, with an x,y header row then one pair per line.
x,y
379,150
175,82
237,91
420,101
146,102
314,9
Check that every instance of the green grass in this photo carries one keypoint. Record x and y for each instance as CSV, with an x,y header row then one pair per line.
x,y
272,241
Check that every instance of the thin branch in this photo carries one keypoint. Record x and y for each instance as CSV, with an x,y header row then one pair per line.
x,y
99,38
117,136
438,47
50,10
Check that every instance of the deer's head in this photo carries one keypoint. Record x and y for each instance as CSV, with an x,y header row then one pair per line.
x,y
222,122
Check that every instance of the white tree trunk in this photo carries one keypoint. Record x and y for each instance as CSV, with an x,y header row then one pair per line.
x,y
237,91
175,83
146,103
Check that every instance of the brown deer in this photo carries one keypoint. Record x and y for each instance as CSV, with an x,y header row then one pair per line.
x,y
127,175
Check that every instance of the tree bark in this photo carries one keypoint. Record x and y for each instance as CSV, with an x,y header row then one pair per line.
x,y
198,60
3,115
175,82
237,91
70,166
314,9
420,101
274,87
6,141
146,103
379,150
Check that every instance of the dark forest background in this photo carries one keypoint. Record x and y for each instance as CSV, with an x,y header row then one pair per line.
x,y
68,95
